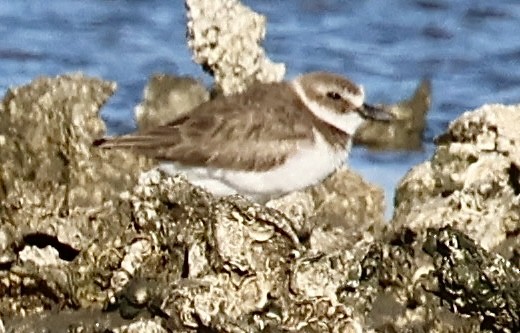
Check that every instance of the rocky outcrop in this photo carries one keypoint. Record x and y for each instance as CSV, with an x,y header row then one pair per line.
x,y
167,97
472,182
88,242
225,38
114,248
49,174
406,131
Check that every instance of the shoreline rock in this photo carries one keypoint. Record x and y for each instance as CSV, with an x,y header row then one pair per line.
x,y
225,37
88,242
155,253
472,182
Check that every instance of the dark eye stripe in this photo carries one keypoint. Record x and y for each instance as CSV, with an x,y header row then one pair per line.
x,y
333,95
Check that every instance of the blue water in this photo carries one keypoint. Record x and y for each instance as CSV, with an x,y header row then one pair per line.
x,y
470,49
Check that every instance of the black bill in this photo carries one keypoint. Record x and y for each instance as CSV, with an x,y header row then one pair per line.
x,y
375,112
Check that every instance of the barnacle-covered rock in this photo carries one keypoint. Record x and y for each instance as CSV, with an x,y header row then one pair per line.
x,y
235,252
88,245
336,213
473,180
406,130
225,38
47,129
155,253
142,325
475,282
59,195
348,210
394,292
299,207
167,97
7,244
49,172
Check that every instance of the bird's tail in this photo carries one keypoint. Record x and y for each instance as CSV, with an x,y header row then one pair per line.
x,y
125,141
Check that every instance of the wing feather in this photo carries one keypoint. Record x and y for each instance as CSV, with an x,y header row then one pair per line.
x,y
228,132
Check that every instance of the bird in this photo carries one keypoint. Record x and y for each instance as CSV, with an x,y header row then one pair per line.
x,y
270,140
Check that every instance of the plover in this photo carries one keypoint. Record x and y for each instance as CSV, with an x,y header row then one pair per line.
x,y
270,140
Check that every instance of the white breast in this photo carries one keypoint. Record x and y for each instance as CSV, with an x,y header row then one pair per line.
x,y
308,166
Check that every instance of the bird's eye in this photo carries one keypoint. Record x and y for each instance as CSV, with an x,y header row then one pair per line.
x,y
333,95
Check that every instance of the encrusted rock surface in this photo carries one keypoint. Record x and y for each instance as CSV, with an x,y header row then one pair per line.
x,y
55,189
405,132
472,182
93,244
49,173
491,284
167,97
338,212
225,38
89,243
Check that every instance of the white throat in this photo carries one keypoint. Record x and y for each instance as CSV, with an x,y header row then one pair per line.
x,y
348,122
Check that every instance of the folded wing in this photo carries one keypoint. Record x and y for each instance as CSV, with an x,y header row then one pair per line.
x,y
251,131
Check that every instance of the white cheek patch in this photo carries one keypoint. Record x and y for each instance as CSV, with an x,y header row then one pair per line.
x,y
347,122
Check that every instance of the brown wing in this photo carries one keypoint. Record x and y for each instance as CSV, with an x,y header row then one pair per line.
x,y
234,132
